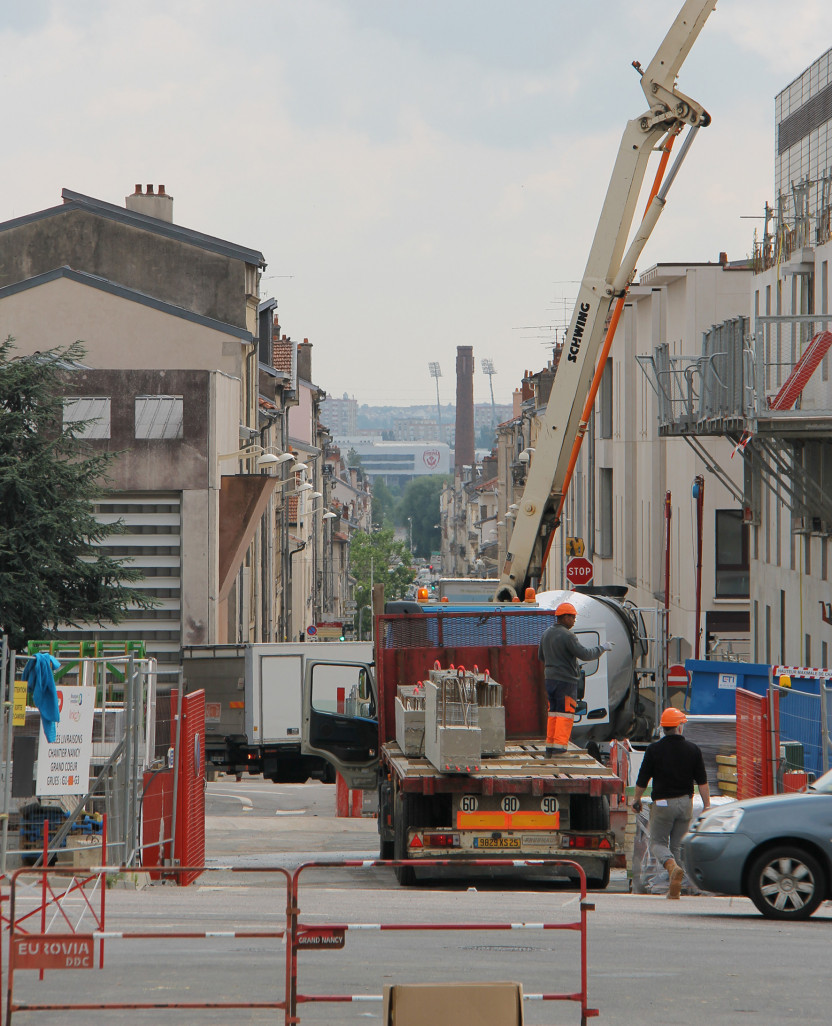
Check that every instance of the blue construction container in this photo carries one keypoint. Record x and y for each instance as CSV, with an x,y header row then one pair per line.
x,y
713,685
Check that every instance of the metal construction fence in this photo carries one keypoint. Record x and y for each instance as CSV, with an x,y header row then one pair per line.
x,y
784,737
124,738
71,945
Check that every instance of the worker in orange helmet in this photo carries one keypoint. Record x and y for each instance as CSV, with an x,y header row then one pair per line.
x,y
559,651
674,764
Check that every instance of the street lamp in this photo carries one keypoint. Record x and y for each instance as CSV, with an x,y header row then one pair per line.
x,y
262,456
410,524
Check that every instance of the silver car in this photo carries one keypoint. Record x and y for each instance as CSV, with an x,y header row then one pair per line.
x,y
776,850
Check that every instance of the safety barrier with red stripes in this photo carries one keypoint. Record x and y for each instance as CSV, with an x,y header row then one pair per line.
x,y
334,933
56,950
758,744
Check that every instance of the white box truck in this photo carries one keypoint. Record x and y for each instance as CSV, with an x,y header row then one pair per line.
x,y
253,702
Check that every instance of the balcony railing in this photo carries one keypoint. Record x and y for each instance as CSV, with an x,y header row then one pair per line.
x,y
735,380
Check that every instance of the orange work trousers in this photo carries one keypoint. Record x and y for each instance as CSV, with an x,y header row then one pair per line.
x,y
563,699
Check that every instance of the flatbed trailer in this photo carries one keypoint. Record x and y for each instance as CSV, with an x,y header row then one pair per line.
x,y
519,805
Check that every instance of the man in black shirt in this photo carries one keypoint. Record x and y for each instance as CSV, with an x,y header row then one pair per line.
x,y
675,765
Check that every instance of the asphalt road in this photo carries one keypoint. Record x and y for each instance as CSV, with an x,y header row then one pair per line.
x,y
702,960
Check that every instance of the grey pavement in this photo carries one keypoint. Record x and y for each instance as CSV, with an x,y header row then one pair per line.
x,y
702,960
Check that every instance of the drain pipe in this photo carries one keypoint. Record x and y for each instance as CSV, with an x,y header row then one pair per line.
x,y
289,621
180,695
668,513
699,495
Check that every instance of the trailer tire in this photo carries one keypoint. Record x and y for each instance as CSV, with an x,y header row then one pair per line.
x,y
599,883
409,811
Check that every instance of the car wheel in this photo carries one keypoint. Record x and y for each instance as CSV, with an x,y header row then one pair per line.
x,y
786,883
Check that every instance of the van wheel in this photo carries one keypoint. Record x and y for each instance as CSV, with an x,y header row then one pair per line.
x,y
786,883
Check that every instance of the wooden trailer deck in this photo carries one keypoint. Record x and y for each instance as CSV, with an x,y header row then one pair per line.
x,y
523,769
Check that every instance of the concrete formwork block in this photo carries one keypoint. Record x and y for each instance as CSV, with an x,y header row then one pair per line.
x,y
410,729
492,724
450,748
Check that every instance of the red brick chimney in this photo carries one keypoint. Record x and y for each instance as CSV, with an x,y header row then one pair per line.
x,y
464,446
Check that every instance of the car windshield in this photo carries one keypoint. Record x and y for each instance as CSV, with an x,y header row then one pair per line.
x,y
823,784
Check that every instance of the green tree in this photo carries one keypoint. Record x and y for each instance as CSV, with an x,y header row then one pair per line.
x,y
420,501
378,558
384,504
51,570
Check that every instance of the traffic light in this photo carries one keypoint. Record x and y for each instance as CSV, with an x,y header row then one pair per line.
x,y
342,638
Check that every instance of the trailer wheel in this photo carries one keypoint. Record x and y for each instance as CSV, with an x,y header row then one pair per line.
x,y
589,813
409,812
599,883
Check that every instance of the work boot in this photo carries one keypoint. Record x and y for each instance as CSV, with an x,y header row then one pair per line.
x,y
552,751
677,875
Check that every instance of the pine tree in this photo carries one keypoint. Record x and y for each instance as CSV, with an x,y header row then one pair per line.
x,y
51,569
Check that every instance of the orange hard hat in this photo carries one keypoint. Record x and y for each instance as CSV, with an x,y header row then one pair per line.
x,y
672,717
566,609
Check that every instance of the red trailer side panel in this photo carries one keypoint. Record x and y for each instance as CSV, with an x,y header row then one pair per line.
x,y
502,641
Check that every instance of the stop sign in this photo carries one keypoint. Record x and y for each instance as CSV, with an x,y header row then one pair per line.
x,y
579,570
677,676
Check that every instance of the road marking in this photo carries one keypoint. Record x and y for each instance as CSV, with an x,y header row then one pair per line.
x,y
290,812
247,790
246,802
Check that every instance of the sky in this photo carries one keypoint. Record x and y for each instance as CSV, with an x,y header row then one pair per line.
x,y
418,175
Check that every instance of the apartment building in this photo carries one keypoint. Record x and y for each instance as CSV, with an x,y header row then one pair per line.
x,y
189,379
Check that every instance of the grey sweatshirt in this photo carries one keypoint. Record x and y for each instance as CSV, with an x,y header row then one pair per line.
x,y
560,651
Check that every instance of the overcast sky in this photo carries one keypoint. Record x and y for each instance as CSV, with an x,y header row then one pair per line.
x,y
418,175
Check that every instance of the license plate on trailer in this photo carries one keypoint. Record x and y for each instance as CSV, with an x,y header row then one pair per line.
x,y
496,842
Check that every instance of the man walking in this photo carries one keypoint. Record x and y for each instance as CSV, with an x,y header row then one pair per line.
x,y
559,651
675,765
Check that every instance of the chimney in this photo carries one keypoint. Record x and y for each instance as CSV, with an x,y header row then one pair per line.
x,y
464,444
305,360
723,259
153,204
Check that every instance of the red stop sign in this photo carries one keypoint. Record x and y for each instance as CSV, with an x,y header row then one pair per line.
x,y
579,570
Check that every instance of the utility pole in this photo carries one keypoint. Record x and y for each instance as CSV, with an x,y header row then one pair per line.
x,y
435,372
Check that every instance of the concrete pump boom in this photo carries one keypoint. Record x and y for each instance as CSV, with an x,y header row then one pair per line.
x,y
608,273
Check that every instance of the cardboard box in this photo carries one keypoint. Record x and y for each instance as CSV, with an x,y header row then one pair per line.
x,y
453,1004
